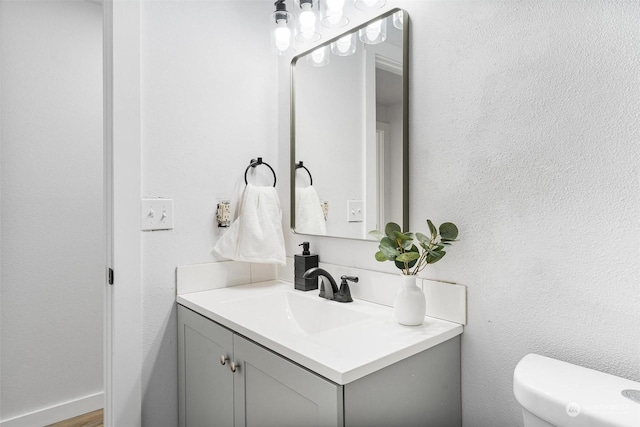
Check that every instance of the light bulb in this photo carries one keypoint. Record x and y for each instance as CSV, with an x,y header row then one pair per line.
x,y
344,46
307,21
333,19
372,31
333,14
282,36
281,29
398,20
335,5
319,57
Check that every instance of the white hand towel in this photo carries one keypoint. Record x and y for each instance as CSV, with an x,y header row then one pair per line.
x,y
256,234
309,215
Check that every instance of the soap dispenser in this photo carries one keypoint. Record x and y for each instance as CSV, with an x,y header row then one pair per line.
x,y
301,264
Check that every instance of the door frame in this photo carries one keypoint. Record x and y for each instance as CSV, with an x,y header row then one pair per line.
x,y
123,298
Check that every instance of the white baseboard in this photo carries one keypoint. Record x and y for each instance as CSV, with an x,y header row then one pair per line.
x,y
54,414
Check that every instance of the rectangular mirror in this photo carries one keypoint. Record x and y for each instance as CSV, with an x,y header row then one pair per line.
x,y
349,136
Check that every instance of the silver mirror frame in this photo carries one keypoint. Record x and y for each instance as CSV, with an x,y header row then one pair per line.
x,y
405,117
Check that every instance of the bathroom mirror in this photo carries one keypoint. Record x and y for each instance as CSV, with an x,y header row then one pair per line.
x,y
349,136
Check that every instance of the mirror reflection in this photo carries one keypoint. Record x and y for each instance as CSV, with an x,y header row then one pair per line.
x,y
348,131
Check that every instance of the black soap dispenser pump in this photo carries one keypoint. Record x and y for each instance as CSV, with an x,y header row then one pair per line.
x,y
301,264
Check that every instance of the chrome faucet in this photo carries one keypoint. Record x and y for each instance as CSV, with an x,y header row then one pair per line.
x,y
333,293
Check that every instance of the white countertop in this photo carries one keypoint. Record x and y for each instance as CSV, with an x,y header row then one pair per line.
x,y
340,341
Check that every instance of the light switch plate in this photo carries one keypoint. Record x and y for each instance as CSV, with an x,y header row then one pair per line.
x,y
156,214
355,211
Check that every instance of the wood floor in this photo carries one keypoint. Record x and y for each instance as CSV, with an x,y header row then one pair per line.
x,y
92,419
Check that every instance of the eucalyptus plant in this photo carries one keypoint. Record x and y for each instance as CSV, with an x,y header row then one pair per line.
x,y
402,249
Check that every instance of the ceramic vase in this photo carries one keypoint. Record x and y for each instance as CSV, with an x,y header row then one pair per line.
x,y
410,303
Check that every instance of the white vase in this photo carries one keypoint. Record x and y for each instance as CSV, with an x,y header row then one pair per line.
x,y
410,304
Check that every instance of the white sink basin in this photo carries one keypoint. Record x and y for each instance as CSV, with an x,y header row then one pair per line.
x,y
340,341
299,314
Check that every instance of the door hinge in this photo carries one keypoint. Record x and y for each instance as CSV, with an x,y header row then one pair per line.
x,y
110,276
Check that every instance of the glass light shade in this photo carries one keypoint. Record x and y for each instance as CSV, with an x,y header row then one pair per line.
x,y
333,11
369,4
374,33
282,33
345,45
319,57
308,22
398,20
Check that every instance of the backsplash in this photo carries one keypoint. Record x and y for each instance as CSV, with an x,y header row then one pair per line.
x,y
444,300
215,275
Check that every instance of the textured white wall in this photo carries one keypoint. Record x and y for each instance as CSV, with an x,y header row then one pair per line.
x,y
523,116
524,132
52,221
209,105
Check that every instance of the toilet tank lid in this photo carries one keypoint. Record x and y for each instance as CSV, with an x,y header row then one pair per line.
x,y
568,395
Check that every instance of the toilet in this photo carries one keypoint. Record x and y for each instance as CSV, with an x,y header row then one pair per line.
x,y
558,394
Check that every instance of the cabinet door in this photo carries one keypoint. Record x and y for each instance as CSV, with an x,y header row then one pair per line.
x,y
272,391
205,385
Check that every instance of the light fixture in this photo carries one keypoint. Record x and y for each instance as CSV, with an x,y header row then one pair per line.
x,y
369,4
308,21
374,33
334,14
319,57
345,45
398,20
281,29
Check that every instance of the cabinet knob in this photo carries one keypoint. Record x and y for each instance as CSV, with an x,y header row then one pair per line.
x,y
234,366
223,359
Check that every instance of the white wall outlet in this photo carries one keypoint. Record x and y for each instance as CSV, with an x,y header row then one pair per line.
x,y
223,213
325,208
355,210
156,214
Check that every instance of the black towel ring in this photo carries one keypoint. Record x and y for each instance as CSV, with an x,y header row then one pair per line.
x,y
253,163
301,165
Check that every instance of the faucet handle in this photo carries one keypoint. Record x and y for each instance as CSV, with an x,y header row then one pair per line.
x,y
344,294
322,293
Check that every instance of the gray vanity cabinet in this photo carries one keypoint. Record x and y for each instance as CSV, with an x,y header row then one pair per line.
x,y
205,385
268,390
264,390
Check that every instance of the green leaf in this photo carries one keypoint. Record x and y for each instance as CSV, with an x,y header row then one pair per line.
x,y
397,235
403,240
432,229
401,265
390,252
390,229
377,234
389,243
381,257
408,257
435,256
448,231
423,239
407,244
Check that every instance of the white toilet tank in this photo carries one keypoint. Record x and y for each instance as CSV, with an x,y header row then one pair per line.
x,y
558,394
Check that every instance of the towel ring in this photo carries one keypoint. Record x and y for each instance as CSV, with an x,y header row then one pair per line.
x,y
253,163
301,165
